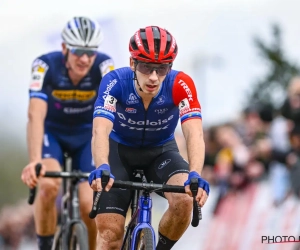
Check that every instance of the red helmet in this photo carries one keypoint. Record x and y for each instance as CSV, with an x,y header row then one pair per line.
x,y
153,44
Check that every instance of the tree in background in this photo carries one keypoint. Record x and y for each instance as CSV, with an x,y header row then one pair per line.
x,y
13,157
271,88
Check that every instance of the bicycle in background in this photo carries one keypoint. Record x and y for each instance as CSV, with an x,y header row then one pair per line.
x,y
72,232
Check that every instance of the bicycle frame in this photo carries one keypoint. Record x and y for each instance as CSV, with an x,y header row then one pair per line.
x,y
70,212
142,214
143,217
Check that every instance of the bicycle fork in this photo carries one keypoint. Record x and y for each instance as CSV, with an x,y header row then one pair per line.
x,y
144,218
70,212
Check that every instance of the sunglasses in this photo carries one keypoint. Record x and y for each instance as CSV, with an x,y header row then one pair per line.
x,y
77,51
147,69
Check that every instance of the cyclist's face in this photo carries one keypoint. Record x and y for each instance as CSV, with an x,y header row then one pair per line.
x,y
150,75
80,60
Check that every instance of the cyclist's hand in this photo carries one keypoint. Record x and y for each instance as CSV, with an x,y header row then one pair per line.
x,y
95,178
29,176
203,188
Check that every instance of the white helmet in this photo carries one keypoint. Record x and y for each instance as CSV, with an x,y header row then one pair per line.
x,y
82,31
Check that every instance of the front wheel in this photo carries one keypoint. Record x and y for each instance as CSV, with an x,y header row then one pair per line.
x,y
57,241
145,240
78,237
127,240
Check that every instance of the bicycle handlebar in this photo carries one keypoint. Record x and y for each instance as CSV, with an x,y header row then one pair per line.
x,y
64,175
197,214
150,187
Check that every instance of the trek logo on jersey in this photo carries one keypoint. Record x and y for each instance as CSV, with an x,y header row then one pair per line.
x,y
106,66
130,110
164,163
160,111
161,100
110,103
71,95
132,99
187,89
109,87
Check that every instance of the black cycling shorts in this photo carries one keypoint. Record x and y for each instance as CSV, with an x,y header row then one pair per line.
x,y
158,163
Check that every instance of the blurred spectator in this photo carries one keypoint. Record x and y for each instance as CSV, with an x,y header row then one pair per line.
x,y
250,125
293,160
291,106
211,151
284,126
270,145
235,165
16,223
279,174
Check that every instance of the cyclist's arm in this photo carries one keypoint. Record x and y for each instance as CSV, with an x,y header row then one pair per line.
x,y
104,116
185,97
100,140
37,109
35,128
193,133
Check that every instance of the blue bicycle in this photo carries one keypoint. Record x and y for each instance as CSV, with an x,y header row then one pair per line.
x,y
139,232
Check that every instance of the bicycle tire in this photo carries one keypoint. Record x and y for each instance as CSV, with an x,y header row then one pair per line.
x,y
57,241
127,241
78,237
145,240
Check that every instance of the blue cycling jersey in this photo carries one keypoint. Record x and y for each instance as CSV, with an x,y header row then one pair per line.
x,y
135,126
69,106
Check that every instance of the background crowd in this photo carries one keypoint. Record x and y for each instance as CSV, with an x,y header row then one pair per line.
x,y
259,145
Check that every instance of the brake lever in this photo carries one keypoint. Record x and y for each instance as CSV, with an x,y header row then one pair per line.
x,y
197,213
97,195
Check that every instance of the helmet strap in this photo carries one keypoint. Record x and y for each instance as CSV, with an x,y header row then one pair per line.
x,y
66,60
66,57
135,77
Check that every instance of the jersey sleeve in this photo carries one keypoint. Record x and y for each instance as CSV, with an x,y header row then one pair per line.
x,y
185,97
39,78
106,65
109,93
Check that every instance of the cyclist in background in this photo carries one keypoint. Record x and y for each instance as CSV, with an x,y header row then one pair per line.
x,y
135,116
63,89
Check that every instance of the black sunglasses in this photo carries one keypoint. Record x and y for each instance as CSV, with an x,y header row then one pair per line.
x,y
81,51
147,68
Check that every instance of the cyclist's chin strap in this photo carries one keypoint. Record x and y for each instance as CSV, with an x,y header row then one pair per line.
x,y
66,60
135,77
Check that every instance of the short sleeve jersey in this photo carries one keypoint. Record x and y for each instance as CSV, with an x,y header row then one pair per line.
x,y
68,105
119,102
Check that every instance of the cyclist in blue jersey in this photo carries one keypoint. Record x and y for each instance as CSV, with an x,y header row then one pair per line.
x,y
135,116
63,90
